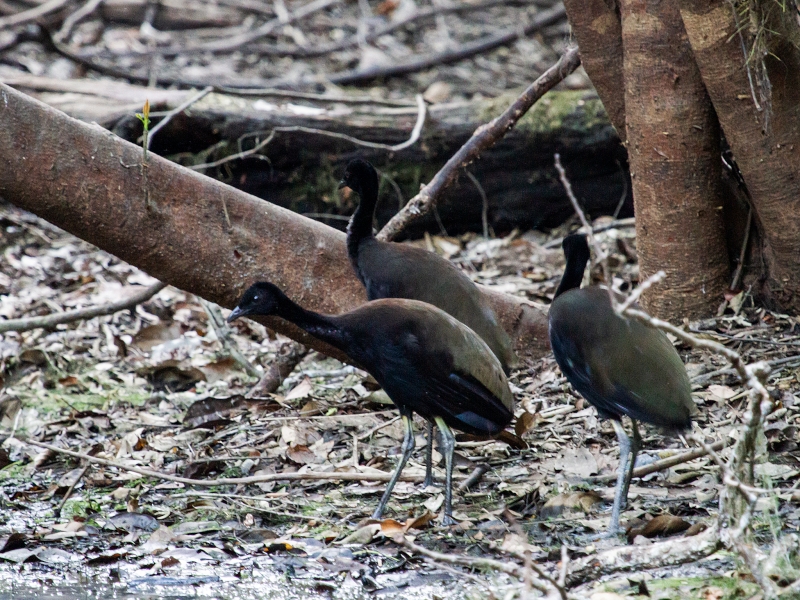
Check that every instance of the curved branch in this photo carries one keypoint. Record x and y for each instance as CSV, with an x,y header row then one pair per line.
x,y
484,137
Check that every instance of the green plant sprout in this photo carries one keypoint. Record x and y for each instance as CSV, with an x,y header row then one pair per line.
x,y
144,117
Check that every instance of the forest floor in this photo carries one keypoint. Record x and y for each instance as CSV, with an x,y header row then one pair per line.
x,y
151,387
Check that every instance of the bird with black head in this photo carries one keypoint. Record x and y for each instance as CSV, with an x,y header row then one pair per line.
x,y
391,270
427,362
621,366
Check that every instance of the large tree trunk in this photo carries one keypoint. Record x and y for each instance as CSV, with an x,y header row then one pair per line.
x,y
201,236
674,152
303,170
597,27
762,129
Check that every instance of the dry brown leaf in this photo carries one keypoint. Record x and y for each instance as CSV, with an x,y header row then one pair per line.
x,y
569,503
301,390
525,422
720,393
419,522
661,525
713,593
153,335
302,455
387,7
390,527
311,407
579,462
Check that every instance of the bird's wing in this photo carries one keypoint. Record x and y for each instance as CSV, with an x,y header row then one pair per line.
x,y
454,393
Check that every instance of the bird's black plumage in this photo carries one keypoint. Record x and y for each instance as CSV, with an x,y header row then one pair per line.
x,y
619,365
390,270
427,362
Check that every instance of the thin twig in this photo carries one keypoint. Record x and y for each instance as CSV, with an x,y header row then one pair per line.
x,y
601,256
700,379
466,561
238,41
237,156
484,205
483,138
467,50
616,224
68,493
313,476
73,19
378,427
737,274
413,138
665,463
634,296
81,314
371,36
177,110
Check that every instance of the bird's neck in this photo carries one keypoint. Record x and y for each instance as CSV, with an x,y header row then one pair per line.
x,y
573,274
322,327
360,227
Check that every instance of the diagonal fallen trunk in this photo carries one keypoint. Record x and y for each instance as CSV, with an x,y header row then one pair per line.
x,y
200,235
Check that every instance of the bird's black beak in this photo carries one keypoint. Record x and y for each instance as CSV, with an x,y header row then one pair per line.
x,y
342,184
235,314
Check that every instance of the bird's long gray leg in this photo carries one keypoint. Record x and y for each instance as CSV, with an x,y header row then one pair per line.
x,y
621,492
429,458
636,445
449,447
406,449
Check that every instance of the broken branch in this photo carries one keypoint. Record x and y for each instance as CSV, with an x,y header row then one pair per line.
x,y
484,137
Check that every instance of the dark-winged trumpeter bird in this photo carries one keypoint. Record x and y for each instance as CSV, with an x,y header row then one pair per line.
x,y
427,362
619,365
390,270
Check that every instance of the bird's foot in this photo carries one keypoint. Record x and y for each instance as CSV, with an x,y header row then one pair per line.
x,y
427,482
377,515
448,520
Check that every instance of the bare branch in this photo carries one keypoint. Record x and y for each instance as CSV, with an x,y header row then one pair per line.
x,y
666,463
81,314
484,137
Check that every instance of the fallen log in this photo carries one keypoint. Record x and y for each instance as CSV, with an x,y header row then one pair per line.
x,y
200,235
299,169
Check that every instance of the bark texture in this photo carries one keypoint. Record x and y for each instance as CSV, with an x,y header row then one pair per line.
x,y
202,236
763,132
674,153
597,27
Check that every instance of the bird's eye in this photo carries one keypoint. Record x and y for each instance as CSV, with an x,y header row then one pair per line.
x,y
255,297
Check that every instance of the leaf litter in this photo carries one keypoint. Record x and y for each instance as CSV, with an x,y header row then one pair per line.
x,y
151,388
